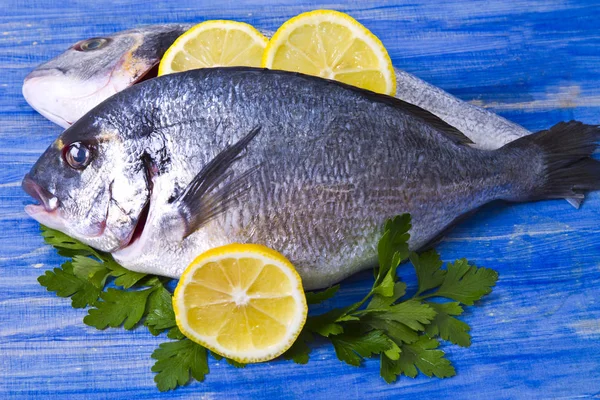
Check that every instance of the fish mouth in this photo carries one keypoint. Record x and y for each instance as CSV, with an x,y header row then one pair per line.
x,y
46,210
150,73
46,200
30,94
57,119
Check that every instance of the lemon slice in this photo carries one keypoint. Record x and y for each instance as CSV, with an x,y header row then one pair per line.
x,y
332,45
216,43
242,301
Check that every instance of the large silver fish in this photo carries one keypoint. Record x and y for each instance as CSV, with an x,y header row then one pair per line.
x,y
66,87
173,166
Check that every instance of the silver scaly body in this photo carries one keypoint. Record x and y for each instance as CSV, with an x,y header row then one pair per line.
x,y
333,167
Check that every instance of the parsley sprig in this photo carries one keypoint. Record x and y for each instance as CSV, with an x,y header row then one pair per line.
x,y
402,328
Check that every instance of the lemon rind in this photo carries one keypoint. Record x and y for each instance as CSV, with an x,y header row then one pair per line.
x,y
318,16
267,256
177,46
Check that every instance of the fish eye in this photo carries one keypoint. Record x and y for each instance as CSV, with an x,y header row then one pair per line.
x,y
91,44
77,155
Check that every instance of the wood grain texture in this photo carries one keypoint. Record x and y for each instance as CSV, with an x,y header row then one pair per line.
x,y
537,336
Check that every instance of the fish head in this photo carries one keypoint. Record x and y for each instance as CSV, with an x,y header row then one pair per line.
x,y
91,185
68,86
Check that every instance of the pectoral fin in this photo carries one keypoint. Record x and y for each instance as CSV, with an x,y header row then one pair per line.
x,y
215,187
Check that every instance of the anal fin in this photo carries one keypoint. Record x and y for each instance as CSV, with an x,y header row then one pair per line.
x,y
574,202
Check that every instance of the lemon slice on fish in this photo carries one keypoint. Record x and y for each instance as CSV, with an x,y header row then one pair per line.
x,y
332,45
216,43
242,301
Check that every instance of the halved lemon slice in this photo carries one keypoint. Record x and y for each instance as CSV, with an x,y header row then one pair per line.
x,y
332,45
216,43
242,301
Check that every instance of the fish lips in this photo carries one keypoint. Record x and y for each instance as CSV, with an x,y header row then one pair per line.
x,y
33,92
46,212
43,196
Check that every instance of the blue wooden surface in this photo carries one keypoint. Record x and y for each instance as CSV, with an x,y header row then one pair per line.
x,y
538,335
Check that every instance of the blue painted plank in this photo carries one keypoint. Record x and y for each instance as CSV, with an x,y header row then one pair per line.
x,y
537,335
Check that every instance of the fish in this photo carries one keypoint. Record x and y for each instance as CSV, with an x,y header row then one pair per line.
x,y
90,71
66,87
71,84
171,167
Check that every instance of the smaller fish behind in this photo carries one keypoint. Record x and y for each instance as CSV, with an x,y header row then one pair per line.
x,y
92,70
74,82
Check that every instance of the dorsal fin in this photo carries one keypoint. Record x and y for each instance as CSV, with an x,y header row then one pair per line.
x,y
439,124
420,113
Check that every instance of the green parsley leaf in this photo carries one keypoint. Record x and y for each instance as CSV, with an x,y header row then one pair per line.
x,y
423,355
65,283
448,327
389,369
378,301
176,361
90,269
411,313
386,287
466,283
326,324
427,266
351,349
397,331
65,245
125,277
393,353
394,240
159,311
319,297
175,333
347,318
118,307
299,352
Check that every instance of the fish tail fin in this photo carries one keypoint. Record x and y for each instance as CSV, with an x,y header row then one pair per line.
x,y
562,163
